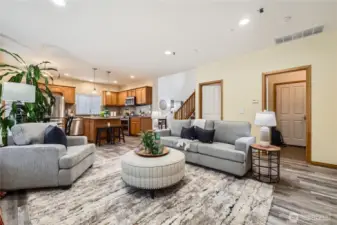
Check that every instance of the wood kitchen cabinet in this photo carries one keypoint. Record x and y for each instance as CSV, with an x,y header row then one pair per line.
x,y
69,95
121,98
109,98
144,96
67,92
139,124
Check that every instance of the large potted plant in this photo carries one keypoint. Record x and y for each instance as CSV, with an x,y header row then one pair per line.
x,y
33,74
6,122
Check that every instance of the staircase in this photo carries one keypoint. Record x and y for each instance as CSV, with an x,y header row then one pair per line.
x,y
187,109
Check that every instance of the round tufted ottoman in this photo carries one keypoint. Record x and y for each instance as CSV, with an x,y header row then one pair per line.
x,y
153,172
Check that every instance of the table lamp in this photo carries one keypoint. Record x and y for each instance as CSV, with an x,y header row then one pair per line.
x,y
266,120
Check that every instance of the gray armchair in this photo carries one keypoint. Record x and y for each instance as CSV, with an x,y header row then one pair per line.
x,y
37,165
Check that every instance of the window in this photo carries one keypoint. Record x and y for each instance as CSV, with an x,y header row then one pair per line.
x,y
88,104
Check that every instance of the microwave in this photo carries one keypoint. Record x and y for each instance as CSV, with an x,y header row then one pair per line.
x,y
130,101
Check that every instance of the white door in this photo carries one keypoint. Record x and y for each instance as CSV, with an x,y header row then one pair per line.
x,y
291,112
211,102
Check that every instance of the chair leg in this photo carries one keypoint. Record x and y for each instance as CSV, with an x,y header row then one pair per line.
x,y
97,137
119,135
113,135
123,136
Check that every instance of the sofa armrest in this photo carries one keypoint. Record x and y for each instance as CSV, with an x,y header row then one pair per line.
x,y
77,140
30,166
243,144
164,132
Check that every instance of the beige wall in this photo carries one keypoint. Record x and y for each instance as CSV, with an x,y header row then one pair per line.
x,y
84,87
137,84
242,77
281,78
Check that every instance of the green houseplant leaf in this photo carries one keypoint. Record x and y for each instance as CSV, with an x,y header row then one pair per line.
x,y
33,75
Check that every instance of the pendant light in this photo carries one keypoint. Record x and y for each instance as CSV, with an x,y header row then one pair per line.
x,y
108,74
94,91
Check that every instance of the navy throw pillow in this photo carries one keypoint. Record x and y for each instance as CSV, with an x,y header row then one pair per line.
x,y
205,136
188,133
55,135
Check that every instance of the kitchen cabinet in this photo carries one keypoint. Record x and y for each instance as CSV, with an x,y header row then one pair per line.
x,y
109,98
90,125
135,126
144,96
139,124
69,95
121,98
67,92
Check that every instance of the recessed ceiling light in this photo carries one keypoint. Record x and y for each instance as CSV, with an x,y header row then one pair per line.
x,y
91,80
66,74
115,81
168,53
61,3
132,77
244,22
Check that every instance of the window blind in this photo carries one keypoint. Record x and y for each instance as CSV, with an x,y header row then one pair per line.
x,y
88,104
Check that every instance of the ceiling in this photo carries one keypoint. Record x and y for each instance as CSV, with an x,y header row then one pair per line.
x,y
131,36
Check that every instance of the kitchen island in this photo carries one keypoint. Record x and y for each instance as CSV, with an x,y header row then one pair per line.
x,y
93,122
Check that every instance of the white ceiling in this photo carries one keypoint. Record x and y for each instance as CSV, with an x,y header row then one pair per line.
x,y
130,36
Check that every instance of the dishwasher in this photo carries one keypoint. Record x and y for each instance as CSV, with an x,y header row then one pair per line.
x,y
76,128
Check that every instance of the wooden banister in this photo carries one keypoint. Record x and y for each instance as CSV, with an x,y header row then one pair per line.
x,y
187,109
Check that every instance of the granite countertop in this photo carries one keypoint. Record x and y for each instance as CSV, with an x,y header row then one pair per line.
x,y
101,118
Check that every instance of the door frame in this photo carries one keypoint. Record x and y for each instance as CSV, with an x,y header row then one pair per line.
x,y
200,95
308,70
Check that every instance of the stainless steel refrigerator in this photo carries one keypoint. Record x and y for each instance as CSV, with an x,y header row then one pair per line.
x,y
58,111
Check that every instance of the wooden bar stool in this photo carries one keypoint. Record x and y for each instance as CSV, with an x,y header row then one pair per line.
x,y
120,134
99,132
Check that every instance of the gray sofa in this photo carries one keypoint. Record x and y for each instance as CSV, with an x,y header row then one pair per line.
x,y
230,152
31,164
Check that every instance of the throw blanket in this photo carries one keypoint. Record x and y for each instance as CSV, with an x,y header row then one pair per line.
x,y
185,143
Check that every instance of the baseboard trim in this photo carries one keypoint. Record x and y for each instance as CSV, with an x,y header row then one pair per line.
x,y
328,165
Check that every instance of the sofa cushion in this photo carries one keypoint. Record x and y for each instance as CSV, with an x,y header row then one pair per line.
x,y
29,133
173,141
209,124
205,136
55,135
75,154
188,133
222,151
169,141
229,131
177,125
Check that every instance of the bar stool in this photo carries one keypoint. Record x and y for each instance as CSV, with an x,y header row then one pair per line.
x,y
99,131
120,134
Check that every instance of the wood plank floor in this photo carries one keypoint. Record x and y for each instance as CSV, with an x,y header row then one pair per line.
x,y
306,194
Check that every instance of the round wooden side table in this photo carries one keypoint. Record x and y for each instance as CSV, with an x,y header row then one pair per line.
x,y
266,167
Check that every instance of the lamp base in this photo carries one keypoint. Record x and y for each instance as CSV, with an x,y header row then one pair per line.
x,y
265,137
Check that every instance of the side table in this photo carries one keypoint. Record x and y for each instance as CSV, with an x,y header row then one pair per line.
x,y
266,168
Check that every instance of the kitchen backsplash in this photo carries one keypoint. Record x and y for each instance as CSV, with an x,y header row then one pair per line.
x,y
147,109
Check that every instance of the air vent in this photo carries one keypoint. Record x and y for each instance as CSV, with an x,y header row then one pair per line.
x,y
298,35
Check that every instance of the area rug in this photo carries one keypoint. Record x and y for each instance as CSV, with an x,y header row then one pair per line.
x,y
204,196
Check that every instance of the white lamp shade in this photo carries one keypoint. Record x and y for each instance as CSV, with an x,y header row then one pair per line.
x,y
265,119
18,92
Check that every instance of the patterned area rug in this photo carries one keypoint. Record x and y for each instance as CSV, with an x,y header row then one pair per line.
x,y
204,196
